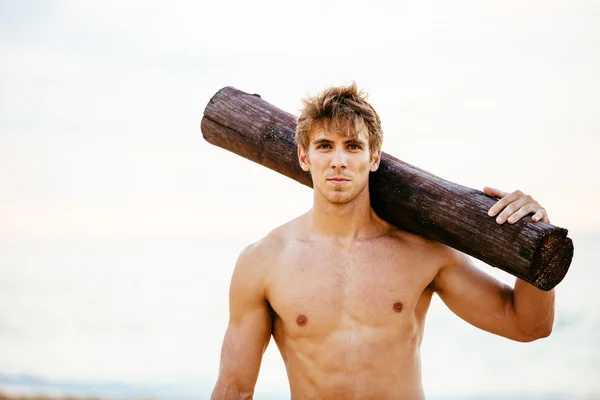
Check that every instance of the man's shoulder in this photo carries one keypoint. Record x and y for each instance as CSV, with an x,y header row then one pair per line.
x,y
273,244
413,239
287,232
424,245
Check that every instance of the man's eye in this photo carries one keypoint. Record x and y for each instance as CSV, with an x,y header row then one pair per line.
x,y
354,146
323,146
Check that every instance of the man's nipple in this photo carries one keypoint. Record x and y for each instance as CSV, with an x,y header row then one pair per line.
x,y
397,307
301,320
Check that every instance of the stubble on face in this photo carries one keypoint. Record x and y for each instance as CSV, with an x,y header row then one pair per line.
x,y
339,163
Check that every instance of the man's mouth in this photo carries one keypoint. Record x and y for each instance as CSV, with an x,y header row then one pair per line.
x,y
338,179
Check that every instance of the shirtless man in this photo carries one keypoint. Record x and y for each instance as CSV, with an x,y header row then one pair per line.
x,y
343,292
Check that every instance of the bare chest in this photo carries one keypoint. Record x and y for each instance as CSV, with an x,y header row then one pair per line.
x,y
316,289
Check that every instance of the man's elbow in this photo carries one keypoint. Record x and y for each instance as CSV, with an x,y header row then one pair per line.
x,y
538,332
229,390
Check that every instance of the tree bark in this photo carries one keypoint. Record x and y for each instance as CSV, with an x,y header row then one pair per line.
x,y
404,195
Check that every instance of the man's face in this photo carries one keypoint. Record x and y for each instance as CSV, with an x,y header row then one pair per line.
x,y
339,164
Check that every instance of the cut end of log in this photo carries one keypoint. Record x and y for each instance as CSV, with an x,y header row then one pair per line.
x,y
247,125
552,259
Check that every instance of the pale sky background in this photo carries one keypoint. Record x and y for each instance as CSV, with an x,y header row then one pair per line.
x,y
101,102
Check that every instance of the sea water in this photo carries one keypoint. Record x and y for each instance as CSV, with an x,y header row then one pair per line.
x,y
139,317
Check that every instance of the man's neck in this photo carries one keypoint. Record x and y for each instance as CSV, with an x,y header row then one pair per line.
x,y
342,222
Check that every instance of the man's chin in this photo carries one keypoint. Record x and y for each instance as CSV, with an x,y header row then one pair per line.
x,y
339,198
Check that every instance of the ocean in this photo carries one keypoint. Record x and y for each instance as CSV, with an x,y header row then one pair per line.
x,y
144,317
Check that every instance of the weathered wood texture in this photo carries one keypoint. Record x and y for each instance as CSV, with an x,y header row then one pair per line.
x,y
404,195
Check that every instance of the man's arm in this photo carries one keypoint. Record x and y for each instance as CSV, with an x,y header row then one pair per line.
x,y
522,313
249,329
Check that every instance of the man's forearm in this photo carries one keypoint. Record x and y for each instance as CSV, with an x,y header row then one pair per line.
x,y
533,309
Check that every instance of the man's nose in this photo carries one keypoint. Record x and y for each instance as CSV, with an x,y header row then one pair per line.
x,y
338,160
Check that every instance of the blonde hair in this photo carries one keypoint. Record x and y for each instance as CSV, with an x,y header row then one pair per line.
x,y
336,107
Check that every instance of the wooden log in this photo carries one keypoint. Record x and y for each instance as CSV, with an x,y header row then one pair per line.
x,y
402,194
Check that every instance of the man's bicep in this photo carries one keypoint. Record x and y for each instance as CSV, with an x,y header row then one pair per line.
x,y
475,296
243,347
249,328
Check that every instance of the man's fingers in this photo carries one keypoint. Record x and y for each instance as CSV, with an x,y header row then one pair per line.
x,y
539,215
504,201
493,192
514,206
513,210
521,212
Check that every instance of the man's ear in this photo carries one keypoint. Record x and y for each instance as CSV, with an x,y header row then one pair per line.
x,y
303,159
375,160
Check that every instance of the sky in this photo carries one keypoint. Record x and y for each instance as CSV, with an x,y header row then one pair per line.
x,y
101,103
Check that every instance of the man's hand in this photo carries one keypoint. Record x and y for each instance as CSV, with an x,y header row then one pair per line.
x,y
514,206
523,313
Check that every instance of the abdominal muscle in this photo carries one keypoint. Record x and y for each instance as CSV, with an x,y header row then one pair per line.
x,y
353,362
